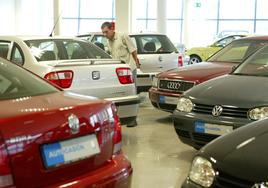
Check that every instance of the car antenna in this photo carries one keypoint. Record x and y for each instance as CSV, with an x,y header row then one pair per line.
x,y
51,34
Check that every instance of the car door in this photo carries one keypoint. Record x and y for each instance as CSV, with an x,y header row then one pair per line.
x,y
156,53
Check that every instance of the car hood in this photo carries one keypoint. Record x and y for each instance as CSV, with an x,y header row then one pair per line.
x,y
243,153
199,72
232,90
53,102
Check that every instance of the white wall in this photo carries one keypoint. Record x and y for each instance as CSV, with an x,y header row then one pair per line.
x,y
26,17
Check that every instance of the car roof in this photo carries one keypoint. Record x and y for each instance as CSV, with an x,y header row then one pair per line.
x,y
141,33
33,37
264,37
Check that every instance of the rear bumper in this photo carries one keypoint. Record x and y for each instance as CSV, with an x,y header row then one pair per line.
x,y
144,81
168,105
116,174
127,107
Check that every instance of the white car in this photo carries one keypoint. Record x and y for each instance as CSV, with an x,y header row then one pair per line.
x,y
155,52
77,66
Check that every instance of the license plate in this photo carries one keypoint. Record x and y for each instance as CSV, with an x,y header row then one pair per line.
x,y
70,150
168,100
201,127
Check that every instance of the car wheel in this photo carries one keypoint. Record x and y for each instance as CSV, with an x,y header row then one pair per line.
x,y
194,59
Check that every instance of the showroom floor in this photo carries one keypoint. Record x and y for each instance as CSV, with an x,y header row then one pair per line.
x,y
158,158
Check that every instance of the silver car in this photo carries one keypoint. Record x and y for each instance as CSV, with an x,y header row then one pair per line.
x,y
155,52
76,66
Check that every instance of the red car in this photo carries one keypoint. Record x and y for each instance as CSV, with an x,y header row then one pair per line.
x,y
51,138
169,85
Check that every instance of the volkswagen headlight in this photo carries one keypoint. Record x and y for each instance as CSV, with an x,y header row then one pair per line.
x,y
155,82
202,172
258,113
185,105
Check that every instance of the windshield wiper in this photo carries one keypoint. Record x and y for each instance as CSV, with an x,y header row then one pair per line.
x,y
243,74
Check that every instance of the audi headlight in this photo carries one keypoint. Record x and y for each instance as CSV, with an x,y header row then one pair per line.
x,y
258,113
185,105
202,172
155,82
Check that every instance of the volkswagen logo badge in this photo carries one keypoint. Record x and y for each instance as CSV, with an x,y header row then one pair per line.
x,y
217,110
260,185
73,123
173,85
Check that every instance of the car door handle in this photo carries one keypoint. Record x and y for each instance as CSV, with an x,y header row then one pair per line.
x,y
160,58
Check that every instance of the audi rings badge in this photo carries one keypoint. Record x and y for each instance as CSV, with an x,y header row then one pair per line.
x,y
173,85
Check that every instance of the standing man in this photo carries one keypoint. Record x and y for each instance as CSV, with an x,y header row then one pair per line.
x,y
121,47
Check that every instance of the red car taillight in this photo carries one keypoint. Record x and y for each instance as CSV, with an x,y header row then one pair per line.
x,y
180,61
117,137
124,75
6,179
61,78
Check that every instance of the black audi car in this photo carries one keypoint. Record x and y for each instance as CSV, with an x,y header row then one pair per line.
x,y
236,160
219,106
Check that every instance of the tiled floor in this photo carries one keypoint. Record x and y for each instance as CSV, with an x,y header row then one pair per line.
x,y
158,158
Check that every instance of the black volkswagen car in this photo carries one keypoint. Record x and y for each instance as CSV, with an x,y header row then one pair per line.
x,y
219,106
236,160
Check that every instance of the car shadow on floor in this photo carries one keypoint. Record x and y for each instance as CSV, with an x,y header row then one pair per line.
x,y
166,120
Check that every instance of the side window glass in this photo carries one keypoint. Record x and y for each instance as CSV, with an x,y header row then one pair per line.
x,y
16,56
4,47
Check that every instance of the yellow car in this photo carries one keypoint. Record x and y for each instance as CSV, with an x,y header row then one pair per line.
x,y
200,54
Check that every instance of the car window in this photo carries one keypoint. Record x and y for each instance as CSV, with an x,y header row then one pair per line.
x,y
85,37
4,47
237,51
256,65
100,41
154,44
44,50
83,50
62,49
225,41
17,55
16,82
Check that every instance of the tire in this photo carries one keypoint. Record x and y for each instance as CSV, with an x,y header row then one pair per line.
x,y
194,59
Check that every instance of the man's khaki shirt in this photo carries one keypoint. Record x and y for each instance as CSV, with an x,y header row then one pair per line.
x,y
121,47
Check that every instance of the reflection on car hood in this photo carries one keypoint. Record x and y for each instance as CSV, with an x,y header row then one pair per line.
x,y
232,90
243,153
199,72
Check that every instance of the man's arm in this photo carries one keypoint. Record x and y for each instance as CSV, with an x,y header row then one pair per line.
x,y
135,57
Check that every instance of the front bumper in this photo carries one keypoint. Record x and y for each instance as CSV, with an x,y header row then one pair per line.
x,y
184,124
189,184
165,101
116,174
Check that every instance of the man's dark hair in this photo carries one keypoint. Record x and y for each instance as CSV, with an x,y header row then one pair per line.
x,y
107,24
